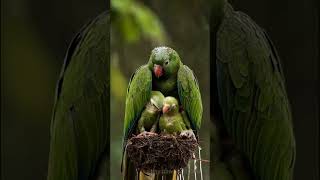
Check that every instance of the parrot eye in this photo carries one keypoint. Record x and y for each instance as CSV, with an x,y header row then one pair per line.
x,y
166,63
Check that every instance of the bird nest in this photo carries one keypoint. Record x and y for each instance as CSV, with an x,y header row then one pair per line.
x,y
160,153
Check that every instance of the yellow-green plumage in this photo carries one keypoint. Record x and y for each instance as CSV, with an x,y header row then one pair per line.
x,y
138,94
190,96
172,124
150,115
172,121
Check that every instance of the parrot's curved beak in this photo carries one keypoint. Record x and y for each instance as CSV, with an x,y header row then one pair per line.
x,y
158,70
166,108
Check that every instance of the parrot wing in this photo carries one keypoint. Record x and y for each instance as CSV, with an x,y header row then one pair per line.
x,y
80,121
189,96
138,94
253,97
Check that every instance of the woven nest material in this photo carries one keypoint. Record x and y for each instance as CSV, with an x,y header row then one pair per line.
x,y
160,153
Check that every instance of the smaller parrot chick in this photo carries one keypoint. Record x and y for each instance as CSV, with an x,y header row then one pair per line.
x,y
150,115
171,121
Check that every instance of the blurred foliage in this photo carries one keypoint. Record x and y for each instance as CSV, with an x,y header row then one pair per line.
x,y
136,20
117,79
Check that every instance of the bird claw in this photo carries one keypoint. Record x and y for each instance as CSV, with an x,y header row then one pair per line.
x,y
188,134
146,134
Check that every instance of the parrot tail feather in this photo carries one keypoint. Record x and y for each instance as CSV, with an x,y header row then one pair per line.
x,y
137,176
189,170
181,175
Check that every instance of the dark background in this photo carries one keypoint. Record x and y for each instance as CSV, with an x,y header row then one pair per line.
x,y
34,38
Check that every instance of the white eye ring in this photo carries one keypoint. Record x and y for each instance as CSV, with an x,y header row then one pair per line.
x,y
166,62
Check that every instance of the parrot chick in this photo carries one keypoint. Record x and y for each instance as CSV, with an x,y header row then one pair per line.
x,y
172,121
150,115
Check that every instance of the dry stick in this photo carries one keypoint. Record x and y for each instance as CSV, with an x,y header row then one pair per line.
x,y
137,174
167,147
195,169
182,175
201,175
188,170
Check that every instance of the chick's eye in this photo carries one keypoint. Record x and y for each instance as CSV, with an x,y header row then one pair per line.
x,y
166,63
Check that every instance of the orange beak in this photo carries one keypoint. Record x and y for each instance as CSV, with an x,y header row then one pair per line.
x,y
165,108
158,70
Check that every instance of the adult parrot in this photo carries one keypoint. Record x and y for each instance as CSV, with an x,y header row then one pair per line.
x,y
166,73
251,106
79,147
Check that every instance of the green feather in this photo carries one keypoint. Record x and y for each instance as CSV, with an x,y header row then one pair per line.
x,y
138,94
172,121
189,95
252,96
80,121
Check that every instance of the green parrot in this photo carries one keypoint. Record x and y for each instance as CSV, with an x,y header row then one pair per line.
x,y
250,103
171,122
79,145
166,73
150,115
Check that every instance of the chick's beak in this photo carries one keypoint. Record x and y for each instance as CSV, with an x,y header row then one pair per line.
x,y
158,70
165,108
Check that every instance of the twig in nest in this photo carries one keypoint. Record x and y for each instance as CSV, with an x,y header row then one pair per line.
x,y
161,153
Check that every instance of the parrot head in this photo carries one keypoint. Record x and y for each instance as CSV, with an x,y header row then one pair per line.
x,y
157,99
164,62
170,105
